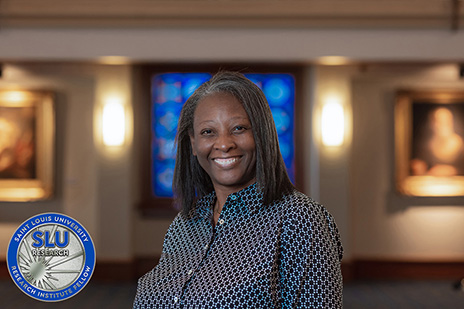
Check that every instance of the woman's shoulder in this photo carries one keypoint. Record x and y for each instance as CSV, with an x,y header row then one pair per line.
x,y
300,213
297,202
297,206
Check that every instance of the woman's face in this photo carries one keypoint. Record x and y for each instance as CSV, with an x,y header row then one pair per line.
x,y
223,142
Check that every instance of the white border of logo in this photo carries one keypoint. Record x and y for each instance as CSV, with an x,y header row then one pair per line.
x,y
13,258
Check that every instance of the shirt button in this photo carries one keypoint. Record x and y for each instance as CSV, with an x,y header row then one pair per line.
x,y
190,272
176,299
206,247
221,222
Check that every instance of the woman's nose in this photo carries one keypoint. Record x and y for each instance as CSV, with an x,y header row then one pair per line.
x,y
224,142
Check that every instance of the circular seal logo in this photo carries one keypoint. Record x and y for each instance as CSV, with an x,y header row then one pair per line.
x,y
51,257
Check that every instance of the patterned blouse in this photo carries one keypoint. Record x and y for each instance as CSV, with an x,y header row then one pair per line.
x,y
285,255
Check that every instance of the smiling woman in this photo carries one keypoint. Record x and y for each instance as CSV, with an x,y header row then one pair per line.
x,y
222,140
170,91
245,237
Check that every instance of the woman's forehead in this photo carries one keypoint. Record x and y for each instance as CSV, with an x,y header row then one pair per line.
x,y
220,104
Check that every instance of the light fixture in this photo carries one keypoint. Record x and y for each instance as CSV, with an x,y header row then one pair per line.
x,y
332,122
113,122
114,60
333,60
14,97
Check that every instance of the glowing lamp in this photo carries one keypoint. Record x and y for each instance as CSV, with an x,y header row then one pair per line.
x,y
332,123
113,123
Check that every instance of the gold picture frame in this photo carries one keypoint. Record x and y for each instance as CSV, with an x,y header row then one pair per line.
x,y
429,143
27,126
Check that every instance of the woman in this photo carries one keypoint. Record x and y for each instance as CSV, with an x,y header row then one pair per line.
x,y
245,238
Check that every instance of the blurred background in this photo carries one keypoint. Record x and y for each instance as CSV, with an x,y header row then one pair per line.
x,y
343,65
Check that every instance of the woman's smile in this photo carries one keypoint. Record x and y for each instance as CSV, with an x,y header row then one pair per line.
x,y
226,162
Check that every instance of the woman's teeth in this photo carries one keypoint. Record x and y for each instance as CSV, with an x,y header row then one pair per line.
x,y
225,162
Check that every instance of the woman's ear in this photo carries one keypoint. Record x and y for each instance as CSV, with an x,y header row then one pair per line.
x,y
192,143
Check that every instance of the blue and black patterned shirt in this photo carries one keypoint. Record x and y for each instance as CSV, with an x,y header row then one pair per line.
x,y
285,255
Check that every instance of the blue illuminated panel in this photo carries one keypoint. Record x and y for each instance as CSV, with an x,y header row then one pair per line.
x,y
169,93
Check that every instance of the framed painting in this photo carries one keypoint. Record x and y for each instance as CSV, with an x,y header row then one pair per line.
x,y
167,87
27,126
429,143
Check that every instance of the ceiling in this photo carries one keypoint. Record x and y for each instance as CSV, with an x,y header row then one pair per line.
x,y
382,14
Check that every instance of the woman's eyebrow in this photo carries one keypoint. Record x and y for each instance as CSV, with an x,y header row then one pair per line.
x,y
238,118
206,122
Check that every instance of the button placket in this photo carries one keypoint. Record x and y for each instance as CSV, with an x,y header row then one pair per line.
x,y
221,221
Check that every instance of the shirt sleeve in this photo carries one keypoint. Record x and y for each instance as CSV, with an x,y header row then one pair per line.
x,y
309,266
143,297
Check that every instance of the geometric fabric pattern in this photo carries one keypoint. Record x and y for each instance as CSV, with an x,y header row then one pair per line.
x,y
283,255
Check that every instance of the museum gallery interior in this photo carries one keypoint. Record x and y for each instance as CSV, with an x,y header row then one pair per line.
x,y
367,96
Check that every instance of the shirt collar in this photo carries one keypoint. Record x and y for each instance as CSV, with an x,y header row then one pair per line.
x,y
251,197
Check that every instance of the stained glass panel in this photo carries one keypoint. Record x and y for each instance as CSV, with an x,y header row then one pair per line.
x,y
169,93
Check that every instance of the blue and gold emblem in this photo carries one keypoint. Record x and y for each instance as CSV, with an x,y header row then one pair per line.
x,y
51,257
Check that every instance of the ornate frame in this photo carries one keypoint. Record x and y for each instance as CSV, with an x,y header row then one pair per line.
x,y
39,185
162,207
418,184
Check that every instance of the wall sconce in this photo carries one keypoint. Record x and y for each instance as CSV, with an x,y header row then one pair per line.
x,y
113,122
333,123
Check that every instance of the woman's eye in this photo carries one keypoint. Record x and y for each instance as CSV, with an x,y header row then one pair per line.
x,y
206,132
239,128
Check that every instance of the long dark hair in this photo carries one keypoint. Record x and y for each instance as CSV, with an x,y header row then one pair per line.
x,y
191,181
